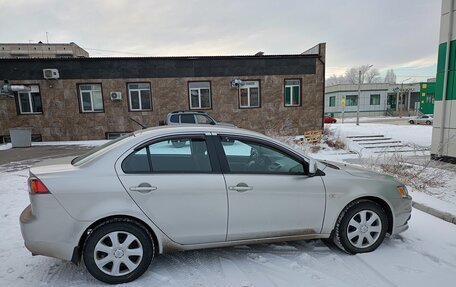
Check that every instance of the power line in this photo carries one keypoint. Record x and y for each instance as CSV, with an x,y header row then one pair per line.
x,y
113,51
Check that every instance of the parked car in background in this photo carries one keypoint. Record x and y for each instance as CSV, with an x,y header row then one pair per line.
x,y
422,120
133,198
329,120
191,117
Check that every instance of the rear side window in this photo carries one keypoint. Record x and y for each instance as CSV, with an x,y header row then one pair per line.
x,y
177,155
187,119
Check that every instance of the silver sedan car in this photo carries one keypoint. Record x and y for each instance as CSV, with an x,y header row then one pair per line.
x,y
127,201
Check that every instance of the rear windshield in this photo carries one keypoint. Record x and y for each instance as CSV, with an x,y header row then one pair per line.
x,y
98,150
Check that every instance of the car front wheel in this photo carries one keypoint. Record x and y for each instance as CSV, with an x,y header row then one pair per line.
x,y
411,122
118,252
361,227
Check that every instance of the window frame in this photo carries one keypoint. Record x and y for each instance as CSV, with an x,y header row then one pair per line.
x,y
224,165
30,102
248,95
211,151
346,102
371,97
291,94
81,108
333,102
199,95
130,108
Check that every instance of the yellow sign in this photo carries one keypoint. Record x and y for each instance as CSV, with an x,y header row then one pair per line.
x,y
343,102
424,86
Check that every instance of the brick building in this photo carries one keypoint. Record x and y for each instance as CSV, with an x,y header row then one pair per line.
x,y
42,50
93,97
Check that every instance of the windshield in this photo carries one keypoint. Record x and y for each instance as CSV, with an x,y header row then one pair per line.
x,y
93,153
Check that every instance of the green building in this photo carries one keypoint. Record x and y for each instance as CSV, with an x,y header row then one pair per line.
x,y
427,95
444,128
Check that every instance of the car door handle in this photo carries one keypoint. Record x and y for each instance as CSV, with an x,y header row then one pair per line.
x,y
240,187
143,188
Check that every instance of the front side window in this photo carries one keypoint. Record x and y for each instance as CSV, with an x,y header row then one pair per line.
x,y
292,93
139,97
91,98
176,155
332,101
199,95
204,120
249,94
246,156
30,102
374,100
351,100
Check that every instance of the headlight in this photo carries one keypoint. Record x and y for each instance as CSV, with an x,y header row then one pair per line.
x,y
402,191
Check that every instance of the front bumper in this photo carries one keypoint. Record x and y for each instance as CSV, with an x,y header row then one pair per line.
x,y
53,233
402,211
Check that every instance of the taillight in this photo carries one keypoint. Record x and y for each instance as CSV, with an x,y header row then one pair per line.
x,y
37,186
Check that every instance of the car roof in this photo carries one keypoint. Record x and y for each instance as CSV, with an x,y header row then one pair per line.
x,y
191,128
187,112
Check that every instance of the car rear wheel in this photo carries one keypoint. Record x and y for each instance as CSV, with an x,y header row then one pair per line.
x,y
428,122
411,122
361,227
118,252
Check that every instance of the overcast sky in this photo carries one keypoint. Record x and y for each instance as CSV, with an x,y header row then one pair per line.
x,y
399,34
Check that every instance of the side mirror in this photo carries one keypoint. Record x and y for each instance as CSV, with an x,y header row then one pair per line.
x,y
313,167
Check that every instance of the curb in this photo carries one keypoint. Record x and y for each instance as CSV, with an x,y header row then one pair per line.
x,y
434,212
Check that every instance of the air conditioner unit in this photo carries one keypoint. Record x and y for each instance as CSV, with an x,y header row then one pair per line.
x,y
51,74
116,96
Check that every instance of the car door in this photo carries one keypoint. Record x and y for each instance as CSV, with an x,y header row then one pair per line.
x,y
269,193
187,119
179,187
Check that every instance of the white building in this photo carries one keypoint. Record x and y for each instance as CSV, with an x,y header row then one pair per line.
x,y
375,99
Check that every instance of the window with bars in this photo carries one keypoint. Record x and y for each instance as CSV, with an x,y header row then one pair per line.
x,y
139,98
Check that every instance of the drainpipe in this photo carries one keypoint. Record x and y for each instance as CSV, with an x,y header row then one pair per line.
x,y
445,79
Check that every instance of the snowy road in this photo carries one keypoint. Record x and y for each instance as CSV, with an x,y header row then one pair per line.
x,y
425,255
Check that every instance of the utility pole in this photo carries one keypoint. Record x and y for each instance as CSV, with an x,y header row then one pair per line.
x,y
359,93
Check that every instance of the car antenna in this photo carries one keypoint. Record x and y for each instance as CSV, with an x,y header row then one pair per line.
x,y
132,119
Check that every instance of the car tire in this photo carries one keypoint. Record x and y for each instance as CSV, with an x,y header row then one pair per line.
x,y
361,227
428,122
107,259
334,121
411,122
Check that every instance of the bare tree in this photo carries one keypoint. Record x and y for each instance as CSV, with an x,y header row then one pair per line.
x,y
390,77
351,76
335,80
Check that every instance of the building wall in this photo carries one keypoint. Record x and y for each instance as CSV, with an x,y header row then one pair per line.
x,y
366,109
427,96
62,120
445,149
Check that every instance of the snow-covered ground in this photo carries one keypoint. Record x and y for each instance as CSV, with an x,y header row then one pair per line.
x,y
425,255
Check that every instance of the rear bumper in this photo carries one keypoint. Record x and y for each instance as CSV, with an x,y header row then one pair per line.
x,y
55,235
